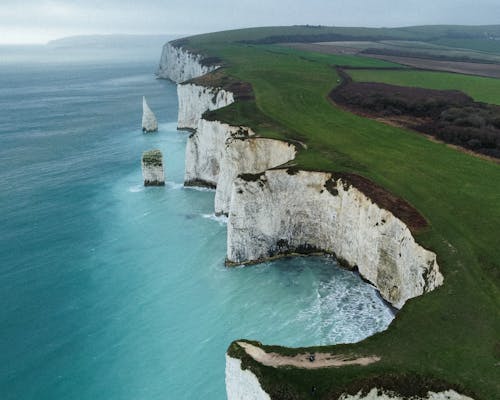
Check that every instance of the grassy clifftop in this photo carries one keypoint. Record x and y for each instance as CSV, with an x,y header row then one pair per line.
x,y
448,337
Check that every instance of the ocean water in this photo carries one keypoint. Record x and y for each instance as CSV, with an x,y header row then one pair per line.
x,y
110,290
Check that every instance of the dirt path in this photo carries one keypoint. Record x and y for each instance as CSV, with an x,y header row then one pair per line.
x,y
321,360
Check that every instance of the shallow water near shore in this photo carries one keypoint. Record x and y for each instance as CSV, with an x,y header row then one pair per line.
x,y
115,291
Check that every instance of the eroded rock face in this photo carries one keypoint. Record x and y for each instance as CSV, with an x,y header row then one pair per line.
x,y
149,122
217,153
242,384
283,212
194,100
248,156
179,64
152,168
204,151
376,394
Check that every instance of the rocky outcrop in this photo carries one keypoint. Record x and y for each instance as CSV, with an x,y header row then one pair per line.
x,y
194,100
204,151
179,64
247,156
217,153
376,394
242,384
152,168
283,211
149,122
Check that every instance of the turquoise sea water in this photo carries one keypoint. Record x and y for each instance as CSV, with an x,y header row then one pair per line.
x,y
112,291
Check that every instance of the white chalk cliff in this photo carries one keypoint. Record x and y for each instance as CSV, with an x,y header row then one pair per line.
x,y
194,100
242,384
149,122
282,212
276,212
247,156
217,153
179,64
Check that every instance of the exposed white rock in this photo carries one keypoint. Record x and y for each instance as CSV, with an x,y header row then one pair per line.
x,y
152,168
376,394
204,152
194,100
279,213
179,64
242,384
249,156
217,153
149,122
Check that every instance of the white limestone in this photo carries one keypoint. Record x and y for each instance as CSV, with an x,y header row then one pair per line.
x,y
281,213
152,168
217,153
149,122
250,156
204,151
242,384
194,100
179,64
375,394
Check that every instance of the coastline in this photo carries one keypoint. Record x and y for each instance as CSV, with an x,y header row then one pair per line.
x,y
239,185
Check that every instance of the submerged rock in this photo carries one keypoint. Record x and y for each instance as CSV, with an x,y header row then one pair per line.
x,y
149,122
152,168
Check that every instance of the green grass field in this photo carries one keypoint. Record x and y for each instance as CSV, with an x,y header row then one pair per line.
x,y
489,46
450,335
479,88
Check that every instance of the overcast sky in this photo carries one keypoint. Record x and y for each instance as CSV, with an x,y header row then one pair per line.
x,y
37,21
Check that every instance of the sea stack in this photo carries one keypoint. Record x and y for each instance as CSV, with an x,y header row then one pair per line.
x,y
149,122
152,168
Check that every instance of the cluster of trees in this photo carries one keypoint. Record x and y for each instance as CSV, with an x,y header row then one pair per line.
x,y
451,116
475,127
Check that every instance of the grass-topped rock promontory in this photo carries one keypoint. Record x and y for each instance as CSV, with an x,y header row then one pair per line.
x,y
444,339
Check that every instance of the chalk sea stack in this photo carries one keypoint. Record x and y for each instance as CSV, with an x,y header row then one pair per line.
x,y
149,122
152,168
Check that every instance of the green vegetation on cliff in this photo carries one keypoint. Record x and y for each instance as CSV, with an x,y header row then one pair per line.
x,y
448,338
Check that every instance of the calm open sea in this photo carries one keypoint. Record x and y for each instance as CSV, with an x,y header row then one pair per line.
x,y
112,291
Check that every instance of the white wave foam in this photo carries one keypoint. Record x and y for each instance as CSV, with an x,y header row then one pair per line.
x,y
136,188
343,312
174,185
220,219
200,188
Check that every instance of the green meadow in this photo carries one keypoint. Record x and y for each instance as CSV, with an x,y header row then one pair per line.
x,y
448,338
482,89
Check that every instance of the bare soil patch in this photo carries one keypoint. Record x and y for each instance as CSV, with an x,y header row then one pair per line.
x,y
306,360
468,68
460,67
